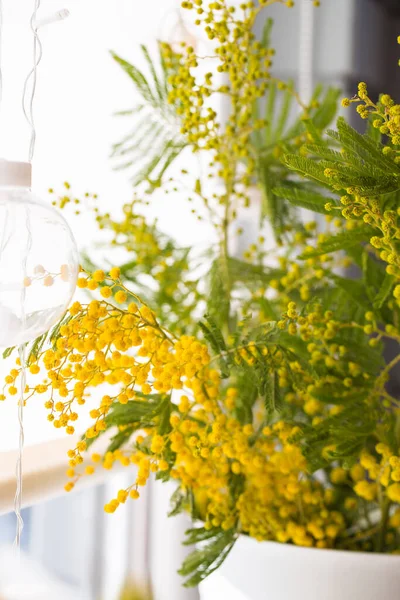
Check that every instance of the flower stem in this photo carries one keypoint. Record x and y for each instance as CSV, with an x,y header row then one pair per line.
x,y
383,525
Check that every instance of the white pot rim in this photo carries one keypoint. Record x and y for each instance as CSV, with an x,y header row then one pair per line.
x,y
274,571
278,548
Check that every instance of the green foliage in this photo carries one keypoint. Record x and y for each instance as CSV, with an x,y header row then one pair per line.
x,y
215,339
384,291
308,167
8,351
304,197
271,392
136,415
360,164
139,411
154,141
327,106
55,332
362,149
177,502
218,305
346,434
355,290
36,346
119,439
282,134
215,546
340,241
159,270
247,273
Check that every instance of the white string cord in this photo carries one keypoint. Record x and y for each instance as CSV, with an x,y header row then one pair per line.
x,y
18,468
22,358
28,112
27,104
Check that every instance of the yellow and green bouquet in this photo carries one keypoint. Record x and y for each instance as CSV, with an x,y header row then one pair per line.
x,y
257,382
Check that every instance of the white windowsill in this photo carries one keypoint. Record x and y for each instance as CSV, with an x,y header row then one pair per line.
x,y
44,472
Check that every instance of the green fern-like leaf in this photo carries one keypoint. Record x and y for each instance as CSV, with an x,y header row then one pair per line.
x,y
355,290
384,291
327,109
363,146
154,140
340,241
304,197
280,135
209,557
307,168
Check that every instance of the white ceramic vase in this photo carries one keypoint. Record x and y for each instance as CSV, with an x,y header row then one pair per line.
x,y
271,571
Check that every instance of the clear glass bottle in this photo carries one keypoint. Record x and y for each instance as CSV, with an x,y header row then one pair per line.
x,y
38,259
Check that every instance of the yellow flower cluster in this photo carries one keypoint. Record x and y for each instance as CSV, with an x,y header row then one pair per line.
x,y
152,253
357,209
197,441
194,435
231,429
210,447
102,343
245,64
386,115
376,477
369,210
278,500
